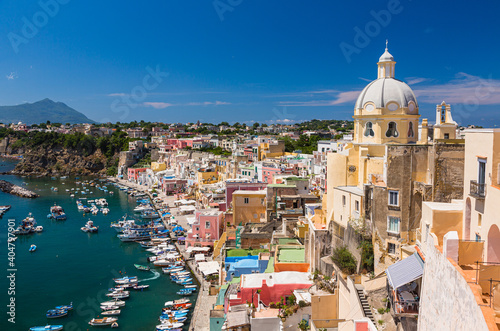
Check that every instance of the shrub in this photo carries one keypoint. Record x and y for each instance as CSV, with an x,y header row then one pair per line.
x,y
345,260
302,304
366,255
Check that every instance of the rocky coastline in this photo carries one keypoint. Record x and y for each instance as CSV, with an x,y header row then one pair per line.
x,y
10,188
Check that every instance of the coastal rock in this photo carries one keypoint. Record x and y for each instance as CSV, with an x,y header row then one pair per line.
x,y
61,161
16,190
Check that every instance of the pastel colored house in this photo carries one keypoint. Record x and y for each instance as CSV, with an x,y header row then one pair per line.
x,y
249,207
243,265
272,287
206,229
134,173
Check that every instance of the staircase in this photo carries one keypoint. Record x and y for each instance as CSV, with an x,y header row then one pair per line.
x,y
364,303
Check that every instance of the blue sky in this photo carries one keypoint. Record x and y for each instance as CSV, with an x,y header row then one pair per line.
x,y
246,60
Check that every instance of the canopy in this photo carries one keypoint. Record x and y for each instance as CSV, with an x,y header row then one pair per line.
x,y
405,271
208,268
199,257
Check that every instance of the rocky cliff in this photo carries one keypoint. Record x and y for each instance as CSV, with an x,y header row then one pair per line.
x,y
61,161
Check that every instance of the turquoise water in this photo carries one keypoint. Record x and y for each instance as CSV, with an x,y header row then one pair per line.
x,y
72,266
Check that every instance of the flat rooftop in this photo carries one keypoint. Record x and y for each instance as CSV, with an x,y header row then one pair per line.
x,y
292,255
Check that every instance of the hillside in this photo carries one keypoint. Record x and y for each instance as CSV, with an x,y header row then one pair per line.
x,y
41,112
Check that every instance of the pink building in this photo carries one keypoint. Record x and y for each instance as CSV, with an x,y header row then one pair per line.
x,y
173,185
133,173
206,229
268,174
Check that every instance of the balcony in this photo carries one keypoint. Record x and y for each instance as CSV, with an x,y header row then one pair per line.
x,y
477,190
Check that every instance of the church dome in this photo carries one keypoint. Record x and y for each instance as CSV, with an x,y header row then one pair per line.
x,y
386,57
383,91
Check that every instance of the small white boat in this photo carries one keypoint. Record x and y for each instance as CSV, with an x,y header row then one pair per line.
x,y
118,303
90,227
106,308
39,228
114,312
103,321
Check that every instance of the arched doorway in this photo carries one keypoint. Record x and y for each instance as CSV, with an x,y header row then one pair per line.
x,y
467,220
493,244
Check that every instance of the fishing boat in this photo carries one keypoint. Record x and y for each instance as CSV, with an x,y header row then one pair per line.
x,y
89,227
168,326
119,294
106,308
142,267
173,319
184,292
103,321
177,302
114,312
149,214
26,226
134,235
56,313
140,287
32,248
125,280
191,286
57,213
66,307
47,328
113,303
173,311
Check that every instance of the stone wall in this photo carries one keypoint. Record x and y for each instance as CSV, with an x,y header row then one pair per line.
x,y
446,300
4,143
448,163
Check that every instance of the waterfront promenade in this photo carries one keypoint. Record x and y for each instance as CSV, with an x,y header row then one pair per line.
x,y
200,319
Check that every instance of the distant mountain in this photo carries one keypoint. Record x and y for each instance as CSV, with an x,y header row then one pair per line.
x,y
41,112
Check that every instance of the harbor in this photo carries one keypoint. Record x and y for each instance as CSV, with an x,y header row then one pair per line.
x,y
69,265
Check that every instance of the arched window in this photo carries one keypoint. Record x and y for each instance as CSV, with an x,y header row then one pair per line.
x,y
392,130
369,130
411,134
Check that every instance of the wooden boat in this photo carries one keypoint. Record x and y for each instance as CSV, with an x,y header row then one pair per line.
x,y
103,321
66,307
106,308
142,267
114,312
113,303
56,313
140,287
125,280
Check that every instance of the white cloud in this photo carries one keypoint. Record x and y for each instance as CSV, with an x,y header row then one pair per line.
x,y
158,105
11,76
208,103
464,89
117,94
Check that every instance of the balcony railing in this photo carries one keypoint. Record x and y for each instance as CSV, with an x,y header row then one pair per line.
x,y
477,190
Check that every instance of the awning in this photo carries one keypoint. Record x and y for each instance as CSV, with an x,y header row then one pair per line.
x,y
405,271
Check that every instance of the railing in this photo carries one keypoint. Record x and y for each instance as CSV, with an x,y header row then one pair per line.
x,y
477,190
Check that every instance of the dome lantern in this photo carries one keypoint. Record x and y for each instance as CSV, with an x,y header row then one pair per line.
x,y
386,64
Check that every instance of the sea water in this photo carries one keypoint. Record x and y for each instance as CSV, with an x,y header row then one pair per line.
x,y
70,265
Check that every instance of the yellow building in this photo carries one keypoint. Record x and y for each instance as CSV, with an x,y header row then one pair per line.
x,y
376,183
445,127
157,166
207,176
249,207
271,149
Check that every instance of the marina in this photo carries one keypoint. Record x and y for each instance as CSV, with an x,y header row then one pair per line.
x,y
80,267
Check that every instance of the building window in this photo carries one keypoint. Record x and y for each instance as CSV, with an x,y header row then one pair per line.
x,y
262,202
207,225
411,134
393,224
392,130
446,136
479,219
343,200
369,130
391,248
245,200
394,198
481,176
443,114
356,205
197,229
